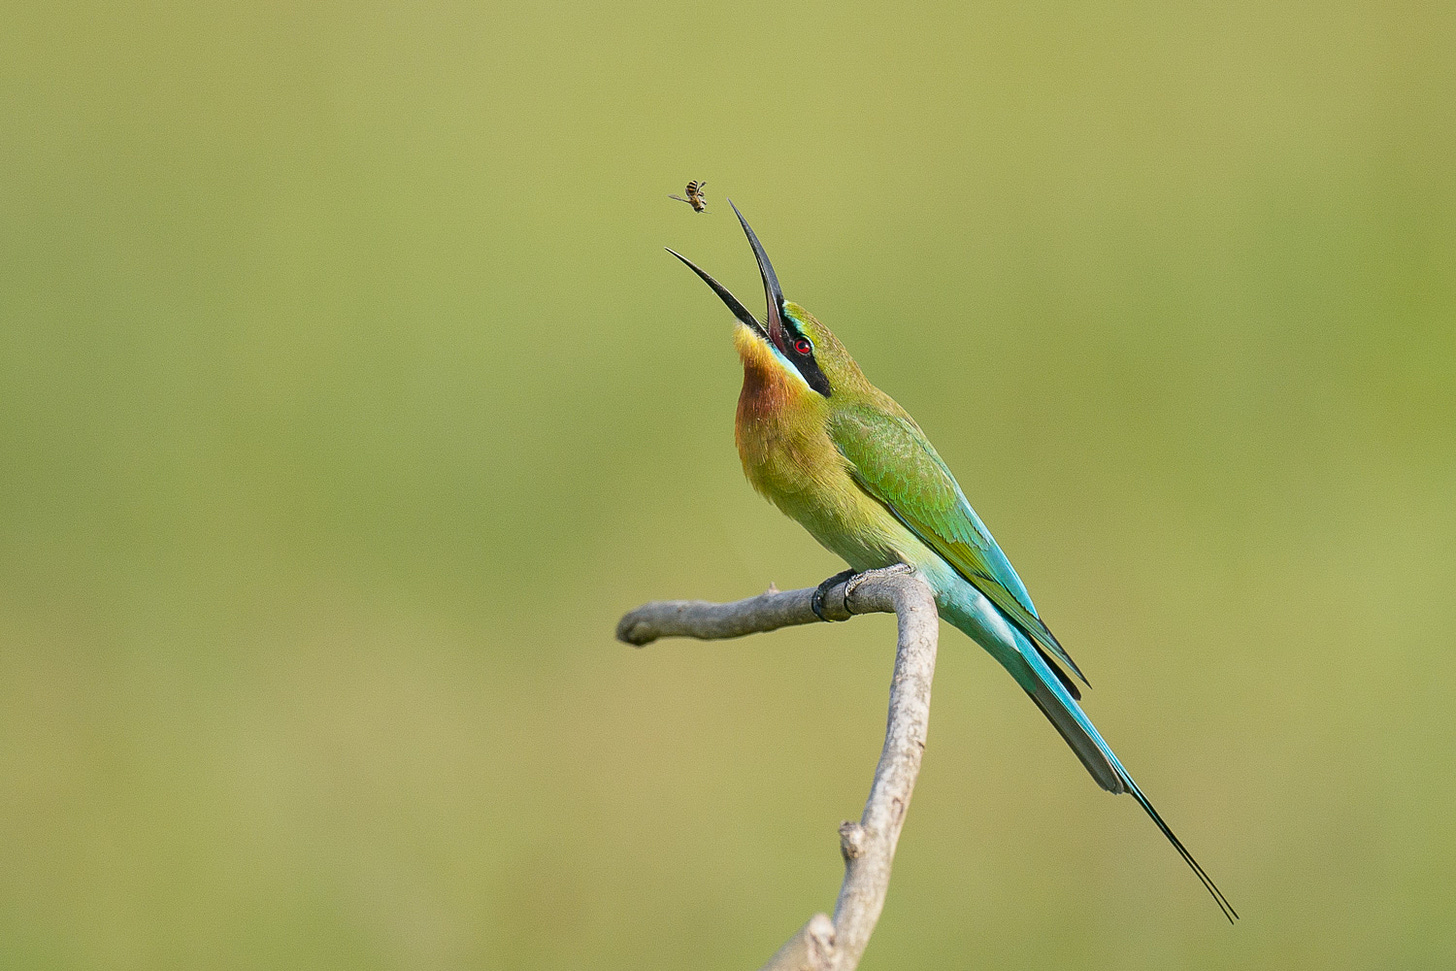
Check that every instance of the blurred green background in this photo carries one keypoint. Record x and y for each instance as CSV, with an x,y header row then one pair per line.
x,y
347,398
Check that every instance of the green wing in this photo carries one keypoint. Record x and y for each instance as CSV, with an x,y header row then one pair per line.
x,y
894,462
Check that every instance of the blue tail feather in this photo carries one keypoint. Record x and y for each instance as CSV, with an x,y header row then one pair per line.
x,y
1069,705
973,614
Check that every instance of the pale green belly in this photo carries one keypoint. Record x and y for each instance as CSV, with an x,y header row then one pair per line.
x,y
803,474
850,524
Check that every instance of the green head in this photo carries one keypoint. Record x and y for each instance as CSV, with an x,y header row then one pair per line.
x,y
791,340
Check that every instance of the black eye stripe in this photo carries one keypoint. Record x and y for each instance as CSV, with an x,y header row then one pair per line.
x,y
803,359
813,377
795,333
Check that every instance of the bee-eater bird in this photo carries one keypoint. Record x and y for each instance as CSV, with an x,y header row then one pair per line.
x,y
841,458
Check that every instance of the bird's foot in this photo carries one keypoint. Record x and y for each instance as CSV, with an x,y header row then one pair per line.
x,y
816,602
851,580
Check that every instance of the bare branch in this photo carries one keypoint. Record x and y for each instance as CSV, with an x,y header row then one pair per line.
x,y
868,846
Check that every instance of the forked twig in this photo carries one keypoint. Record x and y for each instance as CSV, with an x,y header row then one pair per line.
x,y
868,846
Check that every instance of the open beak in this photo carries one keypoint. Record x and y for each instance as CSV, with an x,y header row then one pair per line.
x,y
774,332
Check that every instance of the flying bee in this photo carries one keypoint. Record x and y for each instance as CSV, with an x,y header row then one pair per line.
x,y
695,196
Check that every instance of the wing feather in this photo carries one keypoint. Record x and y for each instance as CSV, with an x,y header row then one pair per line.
x,y
895,463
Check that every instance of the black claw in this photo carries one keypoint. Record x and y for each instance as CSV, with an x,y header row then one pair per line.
x,y
816,602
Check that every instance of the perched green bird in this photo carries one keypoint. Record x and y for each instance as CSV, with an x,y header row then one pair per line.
x,y
847,463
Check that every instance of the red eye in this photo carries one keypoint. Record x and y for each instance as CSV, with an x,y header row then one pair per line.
x,y
803,346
